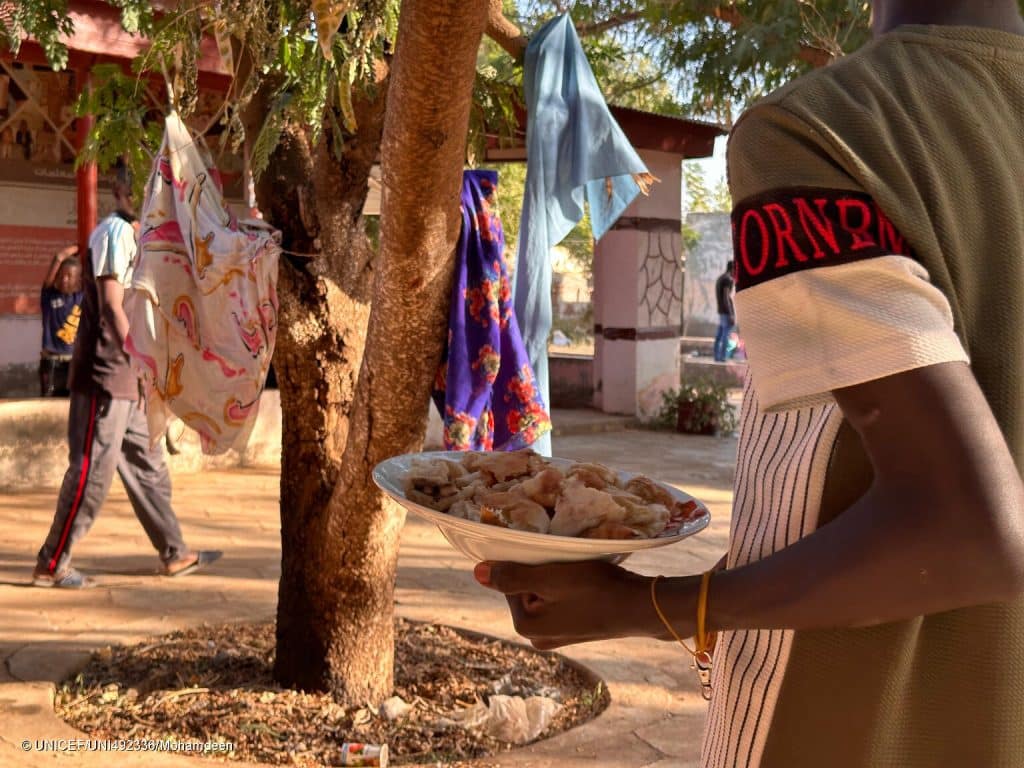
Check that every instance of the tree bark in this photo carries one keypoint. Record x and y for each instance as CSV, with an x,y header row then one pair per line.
x,y
316,201
320,348
335,622
504,32
422,156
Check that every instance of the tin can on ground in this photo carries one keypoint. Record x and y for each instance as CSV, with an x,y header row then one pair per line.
x,y
364,755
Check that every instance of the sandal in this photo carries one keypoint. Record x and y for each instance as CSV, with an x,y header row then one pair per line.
x,y
70,578
191,562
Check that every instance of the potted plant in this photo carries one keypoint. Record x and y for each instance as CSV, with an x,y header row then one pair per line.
x,y
698,407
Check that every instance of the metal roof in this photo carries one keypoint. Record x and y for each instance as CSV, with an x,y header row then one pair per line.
x,y
645,130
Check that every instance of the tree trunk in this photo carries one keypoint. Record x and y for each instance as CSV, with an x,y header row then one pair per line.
x,y
422,154
316,201
321,342
335,622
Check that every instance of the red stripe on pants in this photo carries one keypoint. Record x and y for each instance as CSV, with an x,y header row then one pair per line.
x,y
82,478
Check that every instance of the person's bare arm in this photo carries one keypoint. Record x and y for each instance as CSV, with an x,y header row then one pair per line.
x,y
111,298
58,258
942,527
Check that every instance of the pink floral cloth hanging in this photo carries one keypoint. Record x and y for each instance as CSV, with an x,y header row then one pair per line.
x,y
203,303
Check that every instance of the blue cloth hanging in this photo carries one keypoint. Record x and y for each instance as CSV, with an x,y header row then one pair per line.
x,y
575,150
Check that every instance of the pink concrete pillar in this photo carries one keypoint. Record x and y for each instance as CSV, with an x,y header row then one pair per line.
x,y
638,297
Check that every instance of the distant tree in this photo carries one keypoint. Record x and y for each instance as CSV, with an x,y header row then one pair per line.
x,y
718,55
713,55
699,196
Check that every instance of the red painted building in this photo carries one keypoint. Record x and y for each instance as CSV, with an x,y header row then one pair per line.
x,y
45,203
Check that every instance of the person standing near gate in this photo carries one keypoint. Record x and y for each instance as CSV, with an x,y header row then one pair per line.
x,y
726,312
107,428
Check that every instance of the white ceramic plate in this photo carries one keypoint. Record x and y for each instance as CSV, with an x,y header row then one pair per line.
x,y
479,541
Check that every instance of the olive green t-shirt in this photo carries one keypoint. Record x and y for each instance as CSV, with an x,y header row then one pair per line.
x,y
879,227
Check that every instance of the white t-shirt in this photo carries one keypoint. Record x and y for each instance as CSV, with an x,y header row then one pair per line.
x,y
113,249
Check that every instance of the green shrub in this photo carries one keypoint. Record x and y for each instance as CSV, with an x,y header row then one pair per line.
x,y
698,406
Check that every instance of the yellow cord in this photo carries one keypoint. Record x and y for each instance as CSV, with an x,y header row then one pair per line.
x,y
704,643
661,615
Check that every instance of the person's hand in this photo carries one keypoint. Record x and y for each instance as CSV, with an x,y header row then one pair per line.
x,y
562,604
67,252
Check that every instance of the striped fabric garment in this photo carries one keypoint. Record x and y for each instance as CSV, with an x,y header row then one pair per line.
x,y
781,464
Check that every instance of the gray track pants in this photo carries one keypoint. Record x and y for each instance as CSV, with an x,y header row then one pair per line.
x,y
105,434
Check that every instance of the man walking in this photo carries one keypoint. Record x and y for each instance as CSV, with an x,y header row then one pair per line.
x,y
726,313
107,429
871,606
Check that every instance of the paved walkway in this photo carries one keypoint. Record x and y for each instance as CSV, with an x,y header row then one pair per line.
x,y
657,713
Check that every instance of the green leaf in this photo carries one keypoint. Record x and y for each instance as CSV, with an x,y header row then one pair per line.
x,y
126,126
345,83
270,135
130,19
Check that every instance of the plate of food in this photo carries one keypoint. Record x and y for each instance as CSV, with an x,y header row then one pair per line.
x,y
520,507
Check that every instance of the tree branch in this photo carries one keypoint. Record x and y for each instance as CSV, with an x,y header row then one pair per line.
x,y
510,37
612,22
816,57
636,85
504,32
727,13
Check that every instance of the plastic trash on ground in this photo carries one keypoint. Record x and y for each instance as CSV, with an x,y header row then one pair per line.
x,y
511,719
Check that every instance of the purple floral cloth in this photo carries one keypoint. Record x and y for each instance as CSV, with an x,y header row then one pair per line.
x,y
485,388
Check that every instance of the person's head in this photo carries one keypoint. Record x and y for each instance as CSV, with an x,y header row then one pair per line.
x,y
885,12
998,14
730,265
69,276
122,188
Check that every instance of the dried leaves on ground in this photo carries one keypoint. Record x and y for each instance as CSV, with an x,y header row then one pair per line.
x,y
214,684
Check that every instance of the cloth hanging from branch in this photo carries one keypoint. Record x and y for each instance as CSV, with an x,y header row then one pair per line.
x,y
485,388
202,307
575,152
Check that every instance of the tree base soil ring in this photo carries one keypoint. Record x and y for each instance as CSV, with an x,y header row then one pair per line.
x,y
213,684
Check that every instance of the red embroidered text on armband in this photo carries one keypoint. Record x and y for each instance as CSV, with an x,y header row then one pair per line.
x,y
789,230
